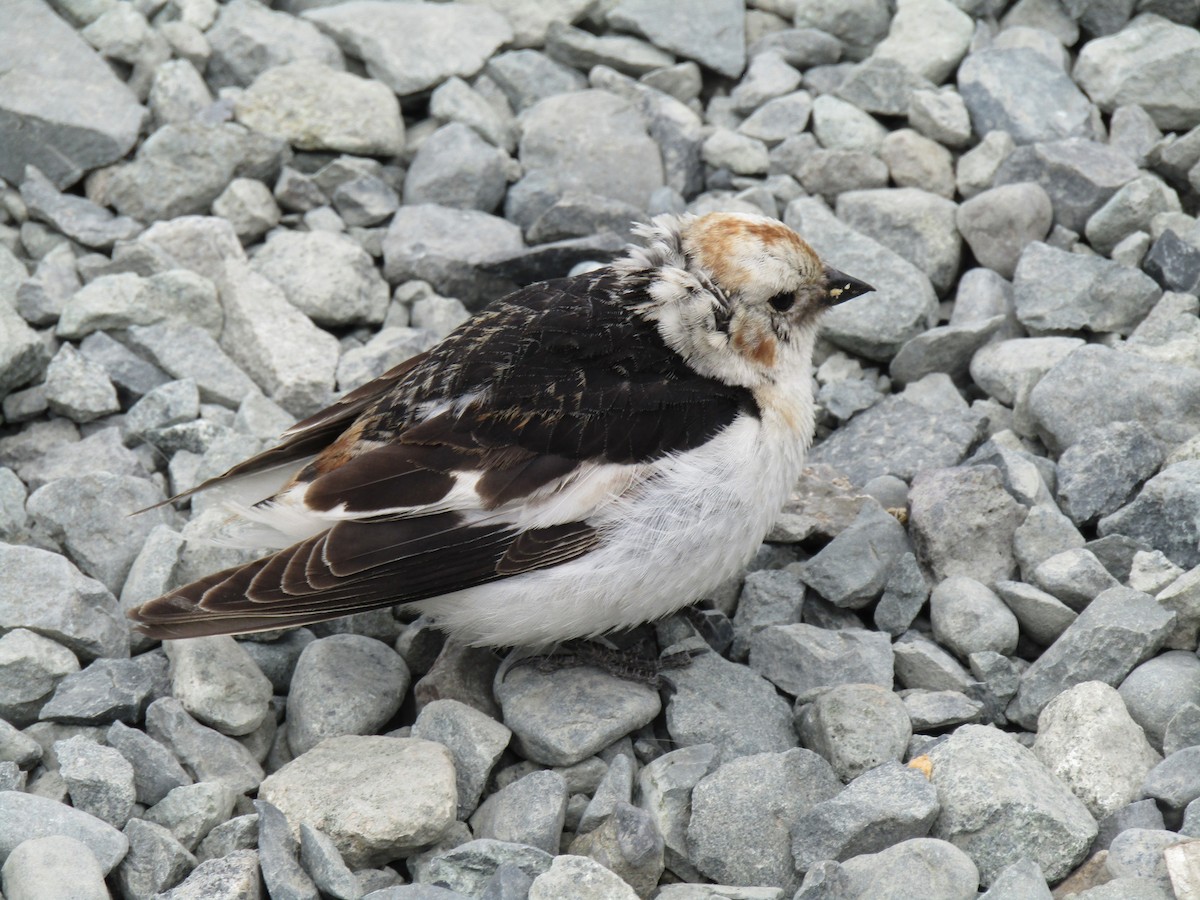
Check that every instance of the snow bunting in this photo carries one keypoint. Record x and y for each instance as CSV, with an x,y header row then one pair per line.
x,y
584,455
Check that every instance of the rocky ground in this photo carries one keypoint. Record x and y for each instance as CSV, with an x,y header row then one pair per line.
x,y
964,661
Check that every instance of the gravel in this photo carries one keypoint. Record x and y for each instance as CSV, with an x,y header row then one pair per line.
x,y
216,218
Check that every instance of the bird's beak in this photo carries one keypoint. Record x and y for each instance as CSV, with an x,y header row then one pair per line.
x,y
842,287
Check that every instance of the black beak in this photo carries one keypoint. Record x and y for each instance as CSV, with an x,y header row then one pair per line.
x,y
841,287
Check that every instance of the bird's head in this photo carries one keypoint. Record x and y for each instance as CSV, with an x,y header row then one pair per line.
x,y
739,296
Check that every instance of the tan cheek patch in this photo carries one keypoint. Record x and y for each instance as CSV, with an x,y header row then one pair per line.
x,y
755,344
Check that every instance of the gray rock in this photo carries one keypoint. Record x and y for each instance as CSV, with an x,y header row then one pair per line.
x,y
291,359
188,352
1136,65
1042,617
76,217
927,426
457,168
24,817
713,34
941,116
1139,814
947,348
218,683
839,125
968,617
853,568
343,684
939,867
1174,782
584,50
178,93
1160,687
999,223
84,617
326,276
411,48
1183,729
190,812
542,710
613,789
1021,92
1073,576
729,837
856,727
65,112
1173,262
628,844
447,247
1078,174
1094,384
908,41
455,101
962,521
234,875
904,595
211,755
324,863
569,875
467,868
716,702
1103,468
880,808
98,778
401,791
916,224
277,852
108,690
23,356
156,860
1089,741
156,772
938,710
30,667
1129,210
1183,598
475,740
977,168
528,811
664,790
802,659
1093,294
768,597
314,107
180,169
238,833
1028,812
249,206
119,301
779,118
767,77
923,665
1138,853
1119,629
248,38
828,173
53,866
1162,515
904,304
527,76
738,153
79,388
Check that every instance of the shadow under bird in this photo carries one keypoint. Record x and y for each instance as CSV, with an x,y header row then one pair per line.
x,y
584,455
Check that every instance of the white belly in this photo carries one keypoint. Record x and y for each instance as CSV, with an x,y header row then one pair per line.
x,y
678,535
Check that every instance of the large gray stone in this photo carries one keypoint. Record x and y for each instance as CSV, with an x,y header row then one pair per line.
x,y
856,727
62,111
1019,91
411,47
1165,515
941,869
803,659
456,167
248,38
1152,63
1095,385
1000,804
712,32
27,816
1119,629
1100,471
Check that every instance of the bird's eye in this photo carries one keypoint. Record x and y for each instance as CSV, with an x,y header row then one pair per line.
x,y
783,301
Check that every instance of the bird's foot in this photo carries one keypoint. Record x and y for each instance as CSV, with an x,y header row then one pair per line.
x,y
628,665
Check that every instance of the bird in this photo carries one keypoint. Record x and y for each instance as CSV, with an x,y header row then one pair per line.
x,y
583,455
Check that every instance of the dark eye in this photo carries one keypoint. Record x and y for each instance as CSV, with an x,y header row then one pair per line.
x,y
783,301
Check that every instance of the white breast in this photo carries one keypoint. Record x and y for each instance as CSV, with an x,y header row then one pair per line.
x,y
681,532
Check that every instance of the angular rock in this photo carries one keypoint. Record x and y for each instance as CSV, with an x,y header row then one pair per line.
x,y
314,107
1000,804
803,659
939,867
856,727
528,811
1042,617
156,860
219,684
235,875
376,797
24,817
326,276
248,38
414,47
475,740
457,168
1119,629
968,617
1087,739
853,568
190,812
210,754
713,33
998,224
1164,514
108,690
1100,472
742,815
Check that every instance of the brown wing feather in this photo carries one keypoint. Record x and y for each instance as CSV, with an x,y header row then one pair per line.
x,y
359,566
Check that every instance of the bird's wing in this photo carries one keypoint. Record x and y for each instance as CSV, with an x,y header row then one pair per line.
x,y
486,459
